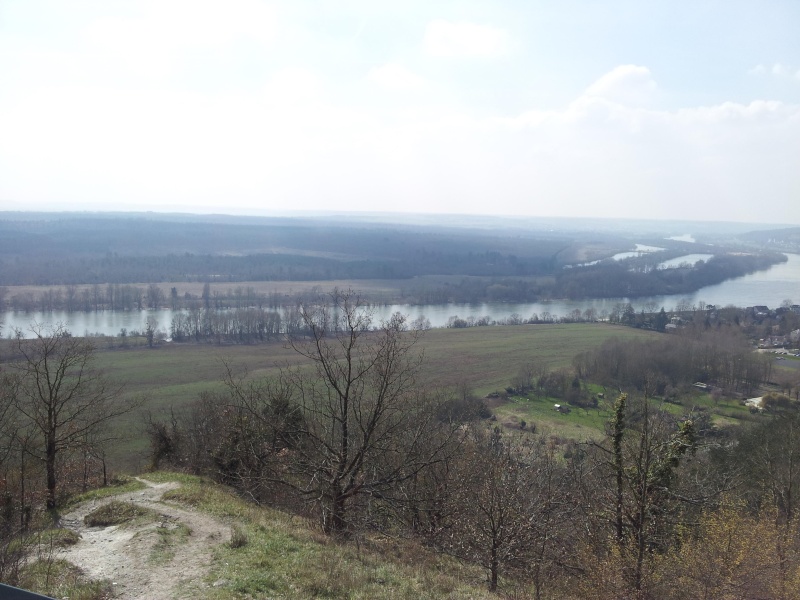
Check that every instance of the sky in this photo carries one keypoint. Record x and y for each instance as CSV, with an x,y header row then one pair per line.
x,y
617,109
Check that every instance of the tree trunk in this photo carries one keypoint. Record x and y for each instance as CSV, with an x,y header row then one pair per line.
x,y
50,463
494,567
537,581
335,522
85,484
618,433
22,522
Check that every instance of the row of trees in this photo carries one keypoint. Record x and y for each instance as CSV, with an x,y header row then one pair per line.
x,y
129,297
247,325
589,315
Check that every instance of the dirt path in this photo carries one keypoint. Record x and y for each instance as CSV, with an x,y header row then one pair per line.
x,y
124,554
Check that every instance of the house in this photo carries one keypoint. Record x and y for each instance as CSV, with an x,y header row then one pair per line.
x,y
761,311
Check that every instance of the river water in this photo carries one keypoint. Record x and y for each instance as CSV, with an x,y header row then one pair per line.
x,y
769,288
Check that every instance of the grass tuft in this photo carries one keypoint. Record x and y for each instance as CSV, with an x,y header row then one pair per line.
x,y
61,579
169,476
119,485
115,513
239,537
58,538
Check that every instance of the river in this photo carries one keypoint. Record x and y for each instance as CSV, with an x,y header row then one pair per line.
x,y
769,288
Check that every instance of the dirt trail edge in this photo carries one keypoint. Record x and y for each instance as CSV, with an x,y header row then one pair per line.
x,y
124,554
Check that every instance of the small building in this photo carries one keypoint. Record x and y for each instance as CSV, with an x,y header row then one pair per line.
x,y
754,403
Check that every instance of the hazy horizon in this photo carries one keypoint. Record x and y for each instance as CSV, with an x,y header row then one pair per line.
x,y
387,216
622,110
669,227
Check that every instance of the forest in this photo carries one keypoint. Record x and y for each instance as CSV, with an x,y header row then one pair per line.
x,y
103,262
672,496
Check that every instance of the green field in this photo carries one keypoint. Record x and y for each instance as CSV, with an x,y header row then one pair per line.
x,y
588,423
487,358
484,358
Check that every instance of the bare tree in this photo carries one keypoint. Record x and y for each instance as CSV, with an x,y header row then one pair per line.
x,y
61,395
155,296
366,425
151,329
509,502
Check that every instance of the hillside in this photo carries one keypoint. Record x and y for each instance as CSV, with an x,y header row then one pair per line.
x,y
194,539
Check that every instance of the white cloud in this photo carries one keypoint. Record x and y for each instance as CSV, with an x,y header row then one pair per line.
x,y
448,39
598,158
293,85
394,76
154,41
205,23
629,85
778,70
685,163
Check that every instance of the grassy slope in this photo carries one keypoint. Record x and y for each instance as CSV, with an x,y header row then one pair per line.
x,y
280,555
285,556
